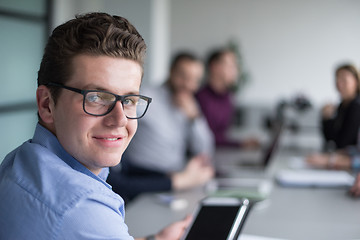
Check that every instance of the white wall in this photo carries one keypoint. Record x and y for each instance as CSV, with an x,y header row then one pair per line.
x,y
287,46
150,17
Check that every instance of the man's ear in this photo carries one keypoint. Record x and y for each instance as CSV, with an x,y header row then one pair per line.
x,y
45,104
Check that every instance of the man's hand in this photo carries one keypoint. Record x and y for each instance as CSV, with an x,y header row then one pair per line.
x,y
331,161
174,231
328,111
187,103
197,172
355,189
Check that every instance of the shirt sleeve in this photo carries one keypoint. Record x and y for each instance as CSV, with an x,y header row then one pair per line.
x,y
343,129
355,162
327,126
354,155
94,218
348,134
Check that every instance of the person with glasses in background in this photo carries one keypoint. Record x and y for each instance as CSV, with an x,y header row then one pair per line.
x,y
53,185
172,148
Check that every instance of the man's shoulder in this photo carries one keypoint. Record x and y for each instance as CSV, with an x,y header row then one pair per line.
x,y
44,177
39,189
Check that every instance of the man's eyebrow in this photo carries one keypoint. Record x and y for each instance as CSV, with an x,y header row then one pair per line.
x,y
132,93
95,87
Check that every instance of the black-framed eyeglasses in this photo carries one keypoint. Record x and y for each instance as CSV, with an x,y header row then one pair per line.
x,y
100,103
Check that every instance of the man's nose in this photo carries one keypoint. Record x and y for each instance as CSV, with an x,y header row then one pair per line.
x,y
117,115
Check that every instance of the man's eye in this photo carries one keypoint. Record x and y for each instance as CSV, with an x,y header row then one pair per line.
x,y
106,97
129,101
93,98
99,97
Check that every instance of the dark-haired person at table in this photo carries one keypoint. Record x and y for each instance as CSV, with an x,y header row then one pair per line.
x,y
216,98
341,125
53,186
173,145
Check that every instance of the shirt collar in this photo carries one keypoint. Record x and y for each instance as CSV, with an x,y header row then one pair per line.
x,y
48,140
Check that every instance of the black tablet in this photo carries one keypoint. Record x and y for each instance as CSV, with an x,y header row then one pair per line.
x,y
218,218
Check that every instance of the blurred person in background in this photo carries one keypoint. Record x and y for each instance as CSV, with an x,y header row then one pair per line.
x,y
173,144
216,98
340,124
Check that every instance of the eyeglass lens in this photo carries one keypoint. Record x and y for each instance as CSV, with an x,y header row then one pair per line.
x,y
101,103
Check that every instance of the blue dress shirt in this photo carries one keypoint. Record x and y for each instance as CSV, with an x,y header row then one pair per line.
x,y
47,194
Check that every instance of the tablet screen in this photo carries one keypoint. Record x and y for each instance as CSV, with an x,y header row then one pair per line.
x,y
213,222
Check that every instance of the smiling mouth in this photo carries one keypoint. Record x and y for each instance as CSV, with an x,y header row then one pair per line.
x,y
111,139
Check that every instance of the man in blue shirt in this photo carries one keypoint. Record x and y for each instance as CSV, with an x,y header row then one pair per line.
x,y
53,186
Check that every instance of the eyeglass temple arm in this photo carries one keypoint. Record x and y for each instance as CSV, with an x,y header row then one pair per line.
x,y
66,87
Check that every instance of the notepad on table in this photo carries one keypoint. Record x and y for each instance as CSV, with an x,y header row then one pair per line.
x,y
253,189
314,178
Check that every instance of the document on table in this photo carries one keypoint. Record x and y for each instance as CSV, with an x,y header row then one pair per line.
x,y
251,188
314,178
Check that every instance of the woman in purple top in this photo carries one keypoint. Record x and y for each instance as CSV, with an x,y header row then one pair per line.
x,y
215,98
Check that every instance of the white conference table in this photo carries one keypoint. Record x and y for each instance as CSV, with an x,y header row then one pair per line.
x,y
287,213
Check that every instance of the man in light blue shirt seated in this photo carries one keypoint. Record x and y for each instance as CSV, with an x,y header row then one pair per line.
x,y
53,186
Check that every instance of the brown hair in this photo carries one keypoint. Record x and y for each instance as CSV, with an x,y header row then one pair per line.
x,y
183,56
217,54
352,69
94,34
